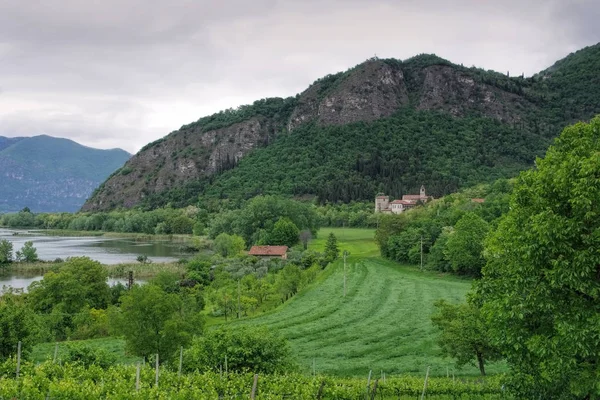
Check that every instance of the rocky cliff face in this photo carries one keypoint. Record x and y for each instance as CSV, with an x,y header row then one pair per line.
x,y
182,156
372,90
447,89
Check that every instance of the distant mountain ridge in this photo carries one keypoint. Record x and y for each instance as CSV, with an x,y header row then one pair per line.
x,y
384,125
49,174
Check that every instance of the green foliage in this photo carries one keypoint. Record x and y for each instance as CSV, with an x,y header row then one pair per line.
x,y
28,253
229,245
257,218
153,321
464,246
399,236
257,350
331,248
59,296
464,334
90,323
18,323
6,252
88,356
76,381
384,320
540,288
284,233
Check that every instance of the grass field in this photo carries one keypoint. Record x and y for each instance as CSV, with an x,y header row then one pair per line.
x,y
113,346
383,323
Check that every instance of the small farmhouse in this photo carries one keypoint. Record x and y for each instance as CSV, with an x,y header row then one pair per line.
x,y
269,251
408,201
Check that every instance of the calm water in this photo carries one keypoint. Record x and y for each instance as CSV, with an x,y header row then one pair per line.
x,y
105,250
22,281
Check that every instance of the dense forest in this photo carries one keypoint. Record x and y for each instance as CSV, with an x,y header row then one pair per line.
x,y
433,122
395,155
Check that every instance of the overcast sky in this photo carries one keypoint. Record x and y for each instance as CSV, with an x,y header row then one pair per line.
x,y
122,73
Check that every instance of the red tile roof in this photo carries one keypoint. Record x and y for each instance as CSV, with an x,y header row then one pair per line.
x,y
413,197
268,250
405,202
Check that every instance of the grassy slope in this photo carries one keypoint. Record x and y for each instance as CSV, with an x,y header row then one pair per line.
x,y
382,324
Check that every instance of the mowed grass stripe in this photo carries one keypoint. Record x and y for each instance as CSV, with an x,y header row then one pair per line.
x,y
383,324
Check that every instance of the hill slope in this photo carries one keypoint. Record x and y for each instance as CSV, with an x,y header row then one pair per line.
x,y
383,323
51,174
384,125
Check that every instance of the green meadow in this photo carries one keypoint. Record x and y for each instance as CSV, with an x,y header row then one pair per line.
x,y
383,323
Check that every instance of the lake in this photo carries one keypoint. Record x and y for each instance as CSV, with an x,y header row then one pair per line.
x,y
102,249
18,280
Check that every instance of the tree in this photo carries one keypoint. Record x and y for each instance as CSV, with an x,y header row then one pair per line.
x,y
540,289
229,245
305,236
79,283
284,233
464,247
6,251
28,253
463,334
331,248
18,323
257,350
154,322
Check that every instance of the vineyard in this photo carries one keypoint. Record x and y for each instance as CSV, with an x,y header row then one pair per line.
x,y
72,381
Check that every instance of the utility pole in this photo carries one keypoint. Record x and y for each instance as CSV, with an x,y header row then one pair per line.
x,y
238,312
421,252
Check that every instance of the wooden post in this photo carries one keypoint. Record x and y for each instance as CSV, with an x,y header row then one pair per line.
x,y
225,364
254,385
320,392
55,352
374,393
137,377
130,280
314,367
18,359
180,361
369,382
425,384
156,373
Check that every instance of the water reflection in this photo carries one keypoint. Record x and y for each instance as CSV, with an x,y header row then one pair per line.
x,y
105,250
22,281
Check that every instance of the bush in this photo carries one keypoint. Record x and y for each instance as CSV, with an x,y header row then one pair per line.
x,y
249,349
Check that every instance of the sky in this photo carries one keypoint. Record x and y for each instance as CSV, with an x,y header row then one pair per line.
x,y
122,73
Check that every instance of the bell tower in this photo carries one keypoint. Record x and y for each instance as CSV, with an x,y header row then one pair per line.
x,y
423,195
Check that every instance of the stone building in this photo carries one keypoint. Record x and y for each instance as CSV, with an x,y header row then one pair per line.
x,y
408,201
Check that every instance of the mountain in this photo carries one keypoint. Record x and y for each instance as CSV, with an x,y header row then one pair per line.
x,y
50,174
384,125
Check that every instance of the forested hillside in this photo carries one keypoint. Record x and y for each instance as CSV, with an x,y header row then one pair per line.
x,y
384,125
51,174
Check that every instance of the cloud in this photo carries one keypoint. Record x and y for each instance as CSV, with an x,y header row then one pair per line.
x,y
123,73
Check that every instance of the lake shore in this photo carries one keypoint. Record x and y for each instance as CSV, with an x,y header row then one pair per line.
x,y
140,270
